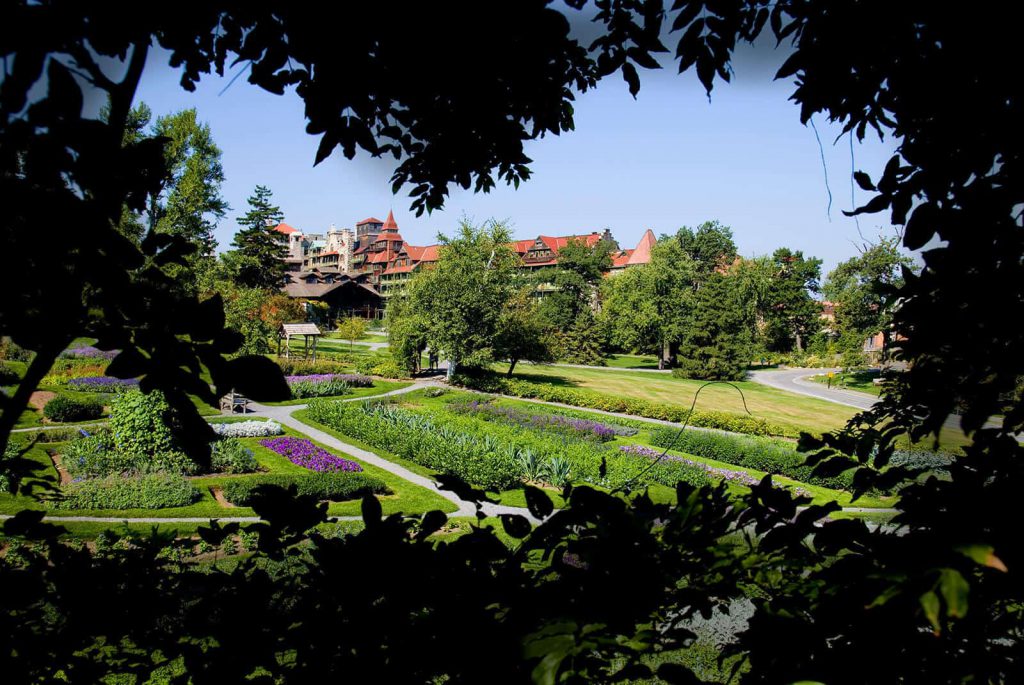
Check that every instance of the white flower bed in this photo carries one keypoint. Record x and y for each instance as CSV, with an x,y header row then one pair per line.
x,y
247,429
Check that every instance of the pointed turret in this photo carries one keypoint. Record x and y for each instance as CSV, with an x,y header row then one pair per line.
x,y
390,224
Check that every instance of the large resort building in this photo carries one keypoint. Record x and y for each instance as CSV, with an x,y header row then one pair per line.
x,y
354,271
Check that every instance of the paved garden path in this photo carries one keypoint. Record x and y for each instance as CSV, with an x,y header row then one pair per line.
x,y
465,508
795,380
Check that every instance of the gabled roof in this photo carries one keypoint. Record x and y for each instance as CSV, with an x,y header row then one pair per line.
x,y
286,229
300,329
371,220
556,243
642,253
421,253
621,259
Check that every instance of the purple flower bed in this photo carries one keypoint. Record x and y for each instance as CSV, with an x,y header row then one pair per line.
x,y
101,383
353,379
88,352
304,453
724,474
564,424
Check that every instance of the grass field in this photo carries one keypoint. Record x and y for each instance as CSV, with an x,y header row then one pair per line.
x,y
856,380
777,406
632,361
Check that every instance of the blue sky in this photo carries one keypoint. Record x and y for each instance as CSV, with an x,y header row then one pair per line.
x,y
667,159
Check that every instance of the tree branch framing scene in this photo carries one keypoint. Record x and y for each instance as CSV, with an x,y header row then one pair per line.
x,y
624,387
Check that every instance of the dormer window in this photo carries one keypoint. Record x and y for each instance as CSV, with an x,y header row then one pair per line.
x,y
311,280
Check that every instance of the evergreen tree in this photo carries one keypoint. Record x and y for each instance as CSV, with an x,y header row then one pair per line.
x,y
717,343
259,262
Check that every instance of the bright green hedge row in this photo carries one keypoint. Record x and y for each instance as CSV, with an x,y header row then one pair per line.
x,y
333,486
487,454
151,491
762,454
734,423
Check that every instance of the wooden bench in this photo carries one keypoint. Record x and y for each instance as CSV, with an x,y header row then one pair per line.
x,y
233,402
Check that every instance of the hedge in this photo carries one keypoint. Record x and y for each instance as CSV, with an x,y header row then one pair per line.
x,y
64,409
152,491
333,486
761,454
733,423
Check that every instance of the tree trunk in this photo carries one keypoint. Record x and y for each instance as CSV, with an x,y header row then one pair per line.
x,y
451,370
511,367
799,341
665,358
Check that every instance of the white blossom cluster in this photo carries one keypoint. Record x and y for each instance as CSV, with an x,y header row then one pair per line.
x,y
247,429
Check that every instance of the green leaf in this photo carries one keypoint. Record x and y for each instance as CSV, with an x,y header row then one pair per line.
x,y
954,588
930,604
984,555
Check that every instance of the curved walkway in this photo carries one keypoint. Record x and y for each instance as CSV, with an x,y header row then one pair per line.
x,y
794,380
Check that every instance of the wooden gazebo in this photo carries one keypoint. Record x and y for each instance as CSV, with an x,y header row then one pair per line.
x,y
291,330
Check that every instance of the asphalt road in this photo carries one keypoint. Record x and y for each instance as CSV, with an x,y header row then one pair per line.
x,y
794,380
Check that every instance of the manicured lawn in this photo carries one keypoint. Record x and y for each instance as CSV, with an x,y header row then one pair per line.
x,y
857,380
777,406
632,361
331,345
379,387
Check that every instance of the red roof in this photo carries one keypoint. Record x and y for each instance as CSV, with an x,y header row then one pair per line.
x,y
522,246
419,253
326,254
397,270
286,229
390,224
557,243
378,258
642,253
389,237
371,220
622,259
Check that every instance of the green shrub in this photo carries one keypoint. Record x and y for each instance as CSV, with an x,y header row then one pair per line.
x,y
97,455
139,422
332,486
303,367
736,423
435,392
229,455
64,409
387,369
319,388
150,491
